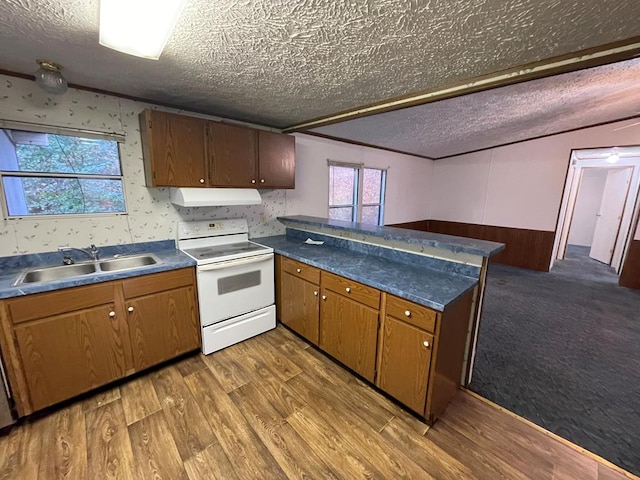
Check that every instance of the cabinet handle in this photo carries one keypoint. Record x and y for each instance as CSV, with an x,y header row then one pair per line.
x,y
426,344
112,313
407,313
253,181
348,290
202,180
130,309
262,180
298,270
315,293
324,297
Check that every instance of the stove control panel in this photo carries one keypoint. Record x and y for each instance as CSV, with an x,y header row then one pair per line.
x,y
210,228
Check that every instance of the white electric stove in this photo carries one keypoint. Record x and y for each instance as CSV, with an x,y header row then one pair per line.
x,y
236,286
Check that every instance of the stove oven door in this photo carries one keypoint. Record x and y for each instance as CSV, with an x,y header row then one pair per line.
x,y
234,287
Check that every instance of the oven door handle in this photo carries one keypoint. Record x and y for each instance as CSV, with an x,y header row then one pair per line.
x,y
235,263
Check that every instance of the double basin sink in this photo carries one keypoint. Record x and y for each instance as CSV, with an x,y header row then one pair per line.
x,y
48,274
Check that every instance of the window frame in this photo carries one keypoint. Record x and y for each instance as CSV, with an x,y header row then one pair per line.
x,y
78,133
358,191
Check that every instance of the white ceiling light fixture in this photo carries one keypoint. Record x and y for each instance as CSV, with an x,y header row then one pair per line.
x,y
49,78
138,27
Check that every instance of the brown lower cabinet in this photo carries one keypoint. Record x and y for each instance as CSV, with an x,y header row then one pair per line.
x,y
63,343
409,351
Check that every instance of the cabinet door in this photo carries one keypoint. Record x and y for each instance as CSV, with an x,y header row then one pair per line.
x,y
69,354
162,326
348,332
299,306
404,363
277,157
174,147
232,155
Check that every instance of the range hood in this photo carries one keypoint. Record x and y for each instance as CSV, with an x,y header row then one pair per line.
x,y
214,197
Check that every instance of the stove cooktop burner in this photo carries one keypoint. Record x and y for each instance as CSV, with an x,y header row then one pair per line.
x,y
217,251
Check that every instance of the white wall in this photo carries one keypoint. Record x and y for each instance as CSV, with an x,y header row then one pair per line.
x,y
151,215
408,178
518,185
583,223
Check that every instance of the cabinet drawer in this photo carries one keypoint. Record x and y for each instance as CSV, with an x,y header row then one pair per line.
x,y
349,288
157,282
40,305
302,270
421,317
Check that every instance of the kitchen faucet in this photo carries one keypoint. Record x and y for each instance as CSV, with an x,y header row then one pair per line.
x,y
92,251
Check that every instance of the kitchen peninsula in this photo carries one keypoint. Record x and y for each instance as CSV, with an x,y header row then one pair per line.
x,y
395,306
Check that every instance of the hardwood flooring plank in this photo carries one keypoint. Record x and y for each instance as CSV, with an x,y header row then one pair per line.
x,y
317,393
187,425
210,464
482,463
607,473
139,399
109,453
274,401
329,444
385,456
239,442
101,398
562,457
191,364
281,334
155,452
518,451
273,357
230,373
425,453
64,444
18,450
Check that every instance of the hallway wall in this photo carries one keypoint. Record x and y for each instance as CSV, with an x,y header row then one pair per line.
x,y
583,223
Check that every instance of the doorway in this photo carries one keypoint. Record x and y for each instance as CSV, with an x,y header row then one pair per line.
x,y
599,206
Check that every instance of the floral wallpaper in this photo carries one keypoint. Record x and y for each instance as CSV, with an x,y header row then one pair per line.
x,y
151,216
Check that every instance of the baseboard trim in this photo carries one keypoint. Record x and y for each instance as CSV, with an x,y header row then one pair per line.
x,y
556,437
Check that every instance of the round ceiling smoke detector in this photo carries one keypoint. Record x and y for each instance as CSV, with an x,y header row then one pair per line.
x,y
49,78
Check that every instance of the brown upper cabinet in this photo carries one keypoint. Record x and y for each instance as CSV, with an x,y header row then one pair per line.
x,y
173,147
183,151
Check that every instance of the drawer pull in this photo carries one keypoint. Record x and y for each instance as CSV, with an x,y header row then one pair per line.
x,y
426,344
112,313
315,293
348,290
253,181
407,313
298,270
130,309
324,297
202,180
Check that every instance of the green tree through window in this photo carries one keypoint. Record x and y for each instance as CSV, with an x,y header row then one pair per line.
x,y
52,174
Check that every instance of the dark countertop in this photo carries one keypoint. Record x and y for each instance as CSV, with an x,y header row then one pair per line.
x,y
436,240
431,288
11,268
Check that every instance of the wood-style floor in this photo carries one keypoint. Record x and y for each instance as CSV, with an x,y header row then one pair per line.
x,y
273,408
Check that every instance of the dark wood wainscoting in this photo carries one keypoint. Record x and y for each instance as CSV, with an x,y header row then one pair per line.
x,y
630,275
530,249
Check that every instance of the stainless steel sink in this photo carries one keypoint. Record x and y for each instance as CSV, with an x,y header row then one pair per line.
x,y
126,263
48,274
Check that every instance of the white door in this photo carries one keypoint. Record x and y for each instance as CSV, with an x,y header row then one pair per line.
x,y
614,198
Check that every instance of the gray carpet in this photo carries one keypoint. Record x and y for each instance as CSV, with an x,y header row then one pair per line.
x,y
562,349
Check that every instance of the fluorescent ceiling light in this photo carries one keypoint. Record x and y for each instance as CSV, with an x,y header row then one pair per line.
x,y
138,27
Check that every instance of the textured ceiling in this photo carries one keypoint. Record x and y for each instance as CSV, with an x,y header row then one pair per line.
x,y
280,63
503,115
